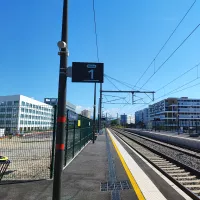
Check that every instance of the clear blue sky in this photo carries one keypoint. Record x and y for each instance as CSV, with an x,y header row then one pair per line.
x,y
130,33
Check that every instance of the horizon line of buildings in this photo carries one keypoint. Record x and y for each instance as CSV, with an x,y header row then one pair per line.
x,y
170,113
19,113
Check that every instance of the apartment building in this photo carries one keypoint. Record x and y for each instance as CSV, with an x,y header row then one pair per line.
x,y
172,113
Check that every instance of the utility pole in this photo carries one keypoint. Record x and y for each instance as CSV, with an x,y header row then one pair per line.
x,y
61,114
94,113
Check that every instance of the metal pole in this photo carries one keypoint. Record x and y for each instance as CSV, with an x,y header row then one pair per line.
x,y
100,109
61,118
53,142
178,120
94,113
99,116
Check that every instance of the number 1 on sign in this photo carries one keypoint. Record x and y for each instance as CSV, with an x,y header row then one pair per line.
x,y
92,73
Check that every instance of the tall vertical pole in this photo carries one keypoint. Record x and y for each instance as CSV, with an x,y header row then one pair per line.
x,y
178,118
61,114
100,109
99,116
94,112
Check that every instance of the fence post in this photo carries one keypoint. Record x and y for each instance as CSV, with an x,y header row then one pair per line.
x,y
53,143
80,133
66,139
74,138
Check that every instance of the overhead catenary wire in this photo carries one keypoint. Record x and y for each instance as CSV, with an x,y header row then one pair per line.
x,y
171,55
95,29
189,70
175,79
153,61
112,83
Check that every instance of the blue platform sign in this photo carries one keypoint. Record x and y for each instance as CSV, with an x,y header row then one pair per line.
x,y
72,116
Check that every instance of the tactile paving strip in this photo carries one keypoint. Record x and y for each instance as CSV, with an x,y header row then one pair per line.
x,y
119,185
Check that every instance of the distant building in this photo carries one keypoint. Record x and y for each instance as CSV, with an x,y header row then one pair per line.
x,y
123,119
19,113
142,117
53,101
86,113
172,113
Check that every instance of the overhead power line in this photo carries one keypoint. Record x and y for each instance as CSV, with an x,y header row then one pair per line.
x,y
171,55
179,77
112,83
153,61
122,82
95,29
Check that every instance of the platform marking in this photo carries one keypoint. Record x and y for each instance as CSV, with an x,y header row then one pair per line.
x,y
129,174
140,181
175,187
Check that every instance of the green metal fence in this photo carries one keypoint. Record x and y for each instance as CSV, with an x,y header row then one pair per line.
x,y
32,152
78,133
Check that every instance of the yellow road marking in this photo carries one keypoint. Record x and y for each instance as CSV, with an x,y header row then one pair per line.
x,y
129,174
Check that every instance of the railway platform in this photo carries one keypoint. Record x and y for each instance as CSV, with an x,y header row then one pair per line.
x,y
108,170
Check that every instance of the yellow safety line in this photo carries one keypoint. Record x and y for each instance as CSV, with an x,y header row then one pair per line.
x,y
128,172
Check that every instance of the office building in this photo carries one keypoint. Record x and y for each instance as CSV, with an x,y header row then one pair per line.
x,y
142,117
54,101
123,119
86,113
19,113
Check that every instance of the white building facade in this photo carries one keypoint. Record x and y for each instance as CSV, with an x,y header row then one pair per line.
x,y
174,113
19,113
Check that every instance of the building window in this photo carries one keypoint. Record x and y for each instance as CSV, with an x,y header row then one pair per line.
x,y
21,122
22,109
8,121
23,103
3,103
26,110
32,122
9,103
8,116
29,122
16,103
25,122
22,116
30,111
2,110
29,116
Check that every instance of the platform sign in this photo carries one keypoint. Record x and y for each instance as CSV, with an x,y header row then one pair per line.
x,y
86,72
72,116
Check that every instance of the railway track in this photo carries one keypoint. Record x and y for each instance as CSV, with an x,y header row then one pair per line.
x,y
183,174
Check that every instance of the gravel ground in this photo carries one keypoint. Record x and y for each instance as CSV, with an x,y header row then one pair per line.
x,y
29,156
176,155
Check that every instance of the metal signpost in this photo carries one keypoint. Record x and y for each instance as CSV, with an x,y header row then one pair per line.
x,y
80,72
86,72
